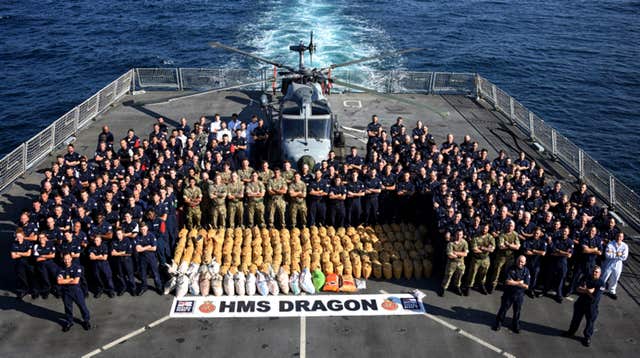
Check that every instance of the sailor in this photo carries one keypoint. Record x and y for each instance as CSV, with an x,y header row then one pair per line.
x,y
373,188
260,135
508,244
516,282
317,190
20,253
353,160
235,196
482,245
457,250
591,245
192,198
69,281
617,252
99,256
218,194
277,188
560,251
388,195
146,245
590,291
297,195
238,148
159,229
405,190
121,251
244,173
534,249
337,196
355,191
44,253
254,191
287,172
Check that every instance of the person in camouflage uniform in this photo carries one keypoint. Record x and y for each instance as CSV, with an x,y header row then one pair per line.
x,y
288,172
225,174
298,193
456,252
218,194
508,244
481,247
235,206
245,172
277,188
264,174
254,192
192,197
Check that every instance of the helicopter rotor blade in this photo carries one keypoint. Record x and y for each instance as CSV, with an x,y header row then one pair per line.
x,y
443,115
375,57
216,44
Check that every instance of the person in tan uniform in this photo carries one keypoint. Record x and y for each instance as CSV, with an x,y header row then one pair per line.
x,y
218,194
192,197
264,174
481,247
457,250
254,192
277,188
298,193
508,245
235,205
244,173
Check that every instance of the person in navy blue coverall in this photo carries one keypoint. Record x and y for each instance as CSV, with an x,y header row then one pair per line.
x,y
69,282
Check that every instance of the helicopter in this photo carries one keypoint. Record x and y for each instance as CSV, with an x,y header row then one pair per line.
x,y
305,127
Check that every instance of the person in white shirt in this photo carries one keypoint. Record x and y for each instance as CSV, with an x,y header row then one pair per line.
x,y
617,252
250,127
222,131
215,124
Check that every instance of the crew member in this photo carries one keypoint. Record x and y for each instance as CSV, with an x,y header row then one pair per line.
x,y
517,281
277,188
355,191
254,191
121,251
337,196
457,250
482,246
235,196
69,282
218,193
508,244
373,188
20,253
44,253
298,193
99,255
317,190
146,245
590,291
192,197
617,252
534,249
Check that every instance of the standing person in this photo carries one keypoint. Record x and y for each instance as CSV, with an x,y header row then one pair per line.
x,y
591,248
457,250
590,291
355,191
146,245
534,249
259,149
277,188
517,281
44,253
98,255
218,194
192,198
254,191
508,244
617,252
20,252
253,124
560,251
317,190
235,196
373,186
298,193
337,196
121,251
69,282
482,246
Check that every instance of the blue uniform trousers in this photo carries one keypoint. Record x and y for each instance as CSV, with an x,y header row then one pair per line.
x,y
71,294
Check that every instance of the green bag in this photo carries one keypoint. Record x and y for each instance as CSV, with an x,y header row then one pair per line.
x,y
317,277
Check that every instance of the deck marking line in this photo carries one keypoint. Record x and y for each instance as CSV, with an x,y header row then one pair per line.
x,y
466,334
303,337
126,337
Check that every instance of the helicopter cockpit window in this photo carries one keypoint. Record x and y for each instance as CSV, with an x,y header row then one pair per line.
x,y
319,110
318,128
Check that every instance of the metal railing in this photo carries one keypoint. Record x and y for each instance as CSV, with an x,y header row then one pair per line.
x,y
29,153
615,194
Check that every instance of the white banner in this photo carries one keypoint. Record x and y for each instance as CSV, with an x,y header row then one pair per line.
x,y
296,306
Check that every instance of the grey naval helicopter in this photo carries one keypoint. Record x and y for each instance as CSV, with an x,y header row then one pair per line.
x,y
305,127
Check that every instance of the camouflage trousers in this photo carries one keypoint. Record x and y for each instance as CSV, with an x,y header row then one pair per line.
x,y
478,271
498,265
298,210
277,204
454,268
236,211
256,213
193,217
218,216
